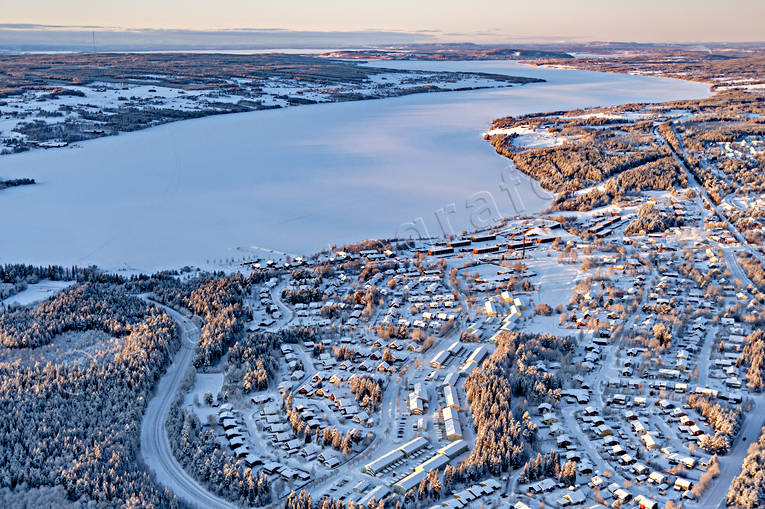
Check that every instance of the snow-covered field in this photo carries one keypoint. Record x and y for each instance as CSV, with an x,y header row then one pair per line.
x,y
530,138
37,292
297,179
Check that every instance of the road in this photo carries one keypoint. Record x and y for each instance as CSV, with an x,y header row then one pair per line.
x,y
701,190
155,446
287,313
730,464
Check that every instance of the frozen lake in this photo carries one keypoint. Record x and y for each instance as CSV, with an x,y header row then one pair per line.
x,y
297,179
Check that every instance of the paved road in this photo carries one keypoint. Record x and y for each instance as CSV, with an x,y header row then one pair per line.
x,y
155,446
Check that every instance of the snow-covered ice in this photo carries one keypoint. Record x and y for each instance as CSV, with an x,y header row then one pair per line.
x,y
296,179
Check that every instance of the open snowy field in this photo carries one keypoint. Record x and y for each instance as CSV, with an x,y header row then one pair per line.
x,y
297,179
37,292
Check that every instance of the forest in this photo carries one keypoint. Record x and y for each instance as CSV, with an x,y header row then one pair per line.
x,y
753,359
5,184
663,174
74,422
251,363
548,465
498,394
219,302
572,166
650,220
723,420
451,52
253,360
367,391
732,67
747,491
753,268
86,307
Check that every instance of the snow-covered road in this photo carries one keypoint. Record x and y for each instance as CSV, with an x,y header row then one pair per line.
x,y
155,446
730,464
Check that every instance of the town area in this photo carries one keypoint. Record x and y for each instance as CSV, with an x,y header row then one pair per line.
x,y
605,352
565,359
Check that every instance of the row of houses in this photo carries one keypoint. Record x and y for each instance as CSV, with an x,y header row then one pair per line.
x,y
442,357
394,457
470,494
235,434
439,460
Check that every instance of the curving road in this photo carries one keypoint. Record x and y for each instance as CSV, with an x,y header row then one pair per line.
x,y
155,446
287,313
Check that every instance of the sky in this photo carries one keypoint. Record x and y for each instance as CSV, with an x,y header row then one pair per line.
x,y
484,21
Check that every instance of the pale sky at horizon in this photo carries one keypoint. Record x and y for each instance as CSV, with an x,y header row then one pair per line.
x,y
476,20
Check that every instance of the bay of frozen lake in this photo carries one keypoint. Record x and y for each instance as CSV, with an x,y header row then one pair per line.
x,y
297,179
